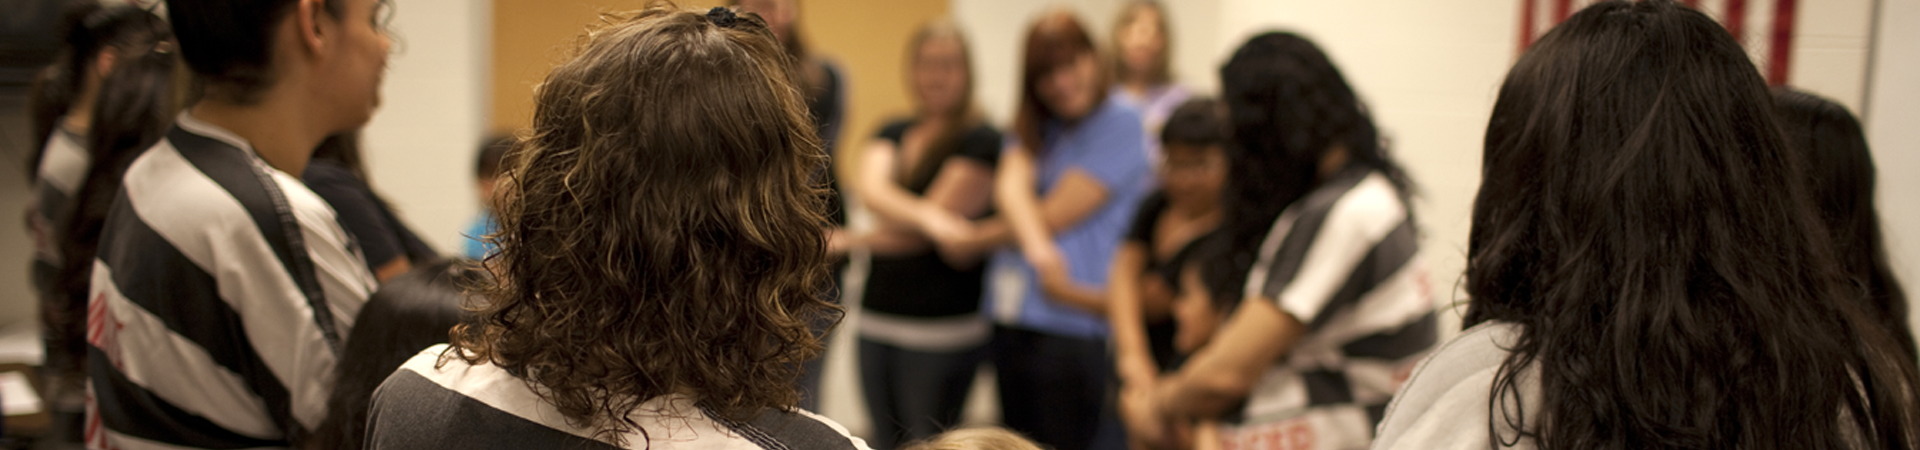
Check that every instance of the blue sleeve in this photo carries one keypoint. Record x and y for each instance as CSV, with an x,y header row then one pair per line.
x,y
477,248
1116,153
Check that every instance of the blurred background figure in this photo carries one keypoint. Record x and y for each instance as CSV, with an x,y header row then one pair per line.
x,y
921,335
1335,302
410,312
1162,240
976,438
108,96
1142,75
491,163
1069,180
338,174
1841,179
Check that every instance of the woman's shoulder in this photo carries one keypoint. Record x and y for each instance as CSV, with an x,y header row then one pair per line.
x,y
1123,114
894,129
985,132
1446,401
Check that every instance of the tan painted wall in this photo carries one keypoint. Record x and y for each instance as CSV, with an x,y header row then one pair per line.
x,y
866,37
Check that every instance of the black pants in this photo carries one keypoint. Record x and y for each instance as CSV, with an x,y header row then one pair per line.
x,y
1054,389
913,395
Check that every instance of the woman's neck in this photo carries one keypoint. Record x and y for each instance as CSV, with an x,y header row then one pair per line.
x,y
935,121
1137,86
79,119
1335,159
1194,211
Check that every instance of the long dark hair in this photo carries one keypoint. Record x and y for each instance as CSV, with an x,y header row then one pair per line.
x,y
1643,221
411,312
1289,107
135,106
89,28
1842,176
659,232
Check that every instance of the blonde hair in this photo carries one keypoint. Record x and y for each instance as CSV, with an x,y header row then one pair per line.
x,y
976,438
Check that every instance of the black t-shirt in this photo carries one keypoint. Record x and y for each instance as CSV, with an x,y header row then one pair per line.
x,y
381,235
1146,223
921,284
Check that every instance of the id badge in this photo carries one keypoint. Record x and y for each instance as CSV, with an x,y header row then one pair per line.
x,y
1009,285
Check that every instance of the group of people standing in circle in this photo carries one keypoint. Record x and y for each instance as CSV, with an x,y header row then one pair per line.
x,y
1161,270
1664,253
1094,252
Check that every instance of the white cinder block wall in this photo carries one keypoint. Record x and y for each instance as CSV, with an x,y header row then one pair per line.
x,y
420,146
1893,128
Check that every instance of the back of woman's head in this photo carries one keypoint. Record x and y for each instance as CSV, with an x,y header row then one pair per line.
x,y
1198,122
409,313
89,28
1289,106
659,232
1642,219
976,438
1841,173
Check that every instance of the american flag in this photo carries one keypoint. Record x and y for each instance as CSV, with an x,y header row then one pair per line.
x,y
1764,27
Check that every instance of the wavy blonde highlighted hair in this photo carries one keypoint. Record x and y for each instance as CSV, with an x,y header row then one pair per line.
x,y
659,232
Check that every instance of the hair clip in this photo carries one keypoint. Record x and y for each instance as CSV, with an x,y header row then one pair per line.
x,y
163,47
722,16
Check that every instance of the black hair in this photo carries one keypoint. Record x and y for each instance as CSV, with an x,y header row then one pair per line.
x,y
134,108
89,29
1220,281
343,149
1841,177
409,313
1198,122
229,43
1644,223
493,156
1288,106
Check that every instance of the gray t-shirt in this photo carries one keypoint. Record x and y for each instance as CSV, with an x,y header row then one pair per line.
x,y
1445,404
434,406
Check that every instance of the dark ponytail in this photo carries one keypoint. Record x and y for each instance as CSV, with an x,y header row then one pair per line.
x,y
134,108
88,28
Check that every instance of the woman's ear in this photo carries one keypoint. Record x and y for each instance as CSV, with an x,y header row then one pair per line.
x,y
306,17
103,63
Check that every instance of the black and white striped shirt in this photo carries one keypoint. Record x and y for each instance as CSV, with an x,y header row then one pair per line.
x,y
63,168
1342,261
430,405
220,292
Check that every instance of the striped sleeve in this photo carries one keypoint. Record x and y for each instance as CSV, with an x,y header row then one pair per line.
x,y
1340,243
432,404
219,293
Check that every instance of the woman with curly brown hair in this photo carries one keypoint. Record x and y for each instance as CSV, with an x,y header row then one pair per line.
x,y
660,258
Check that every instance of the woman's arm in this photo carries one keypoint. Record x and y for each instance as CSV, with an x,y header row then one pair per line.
x,y
960,189
1222,373
1033,220
963,188
1133,362
876,187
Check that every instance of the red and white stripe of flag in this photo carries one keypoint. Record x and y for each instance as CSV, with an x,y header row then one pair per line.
x,y
1764,27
